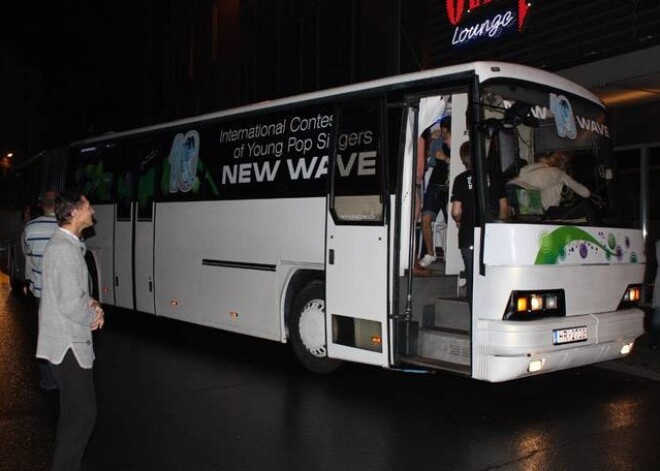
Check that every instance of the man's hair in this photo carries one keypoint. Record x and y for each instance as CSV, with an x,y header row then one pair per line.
x,y
446,123
48,201
65,203
464,152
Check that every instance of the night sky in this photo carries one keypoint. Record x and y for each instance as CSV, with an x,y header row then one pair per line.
x,y
73,68
67,66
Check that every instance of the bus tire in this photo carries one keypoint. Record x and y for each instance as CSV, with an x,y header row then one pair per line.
x,y
307,332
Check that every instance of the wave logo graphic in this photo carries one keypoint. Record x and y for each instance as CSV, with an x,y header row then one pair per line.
x,y
556,246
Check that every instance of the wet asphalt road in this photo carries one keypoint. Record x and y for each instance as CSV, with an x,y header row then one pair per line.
x,y
172,396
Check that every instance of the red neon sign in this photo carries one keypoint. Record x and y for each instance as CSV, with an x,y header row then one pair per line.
x,y
456,10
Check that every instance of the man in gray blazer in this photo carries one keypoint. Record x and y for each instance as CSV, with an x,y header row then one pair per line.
x,y
67,317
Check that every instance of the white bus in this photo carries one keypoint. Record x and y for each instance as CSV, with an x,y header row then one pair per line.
x,y
294,220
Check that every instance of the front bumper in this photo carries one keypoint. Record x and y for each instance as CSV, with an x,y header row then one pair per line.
x,y
506,348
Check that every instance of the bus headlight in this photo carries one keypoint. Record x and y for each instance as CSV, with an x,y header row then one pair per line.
x,y
631,297
527,305
536,302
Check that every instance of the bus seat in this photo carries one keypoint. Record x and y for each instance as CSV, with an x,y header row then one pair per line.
x,y
524,202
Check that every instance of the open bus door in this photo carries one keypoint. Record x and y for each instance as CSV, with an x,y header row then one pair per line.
x,y
434,322
357,238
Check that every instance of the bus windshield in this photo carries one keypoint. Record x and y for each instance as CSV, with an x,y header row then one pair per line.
x,y
553,151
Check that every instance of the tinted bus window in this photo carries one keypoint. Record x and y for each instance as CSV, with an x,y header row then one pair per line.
x,y
358,173
96,171
149,155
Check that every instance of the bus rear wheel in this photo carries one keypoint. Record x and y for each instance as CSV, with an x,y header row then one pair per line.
x,y
307,331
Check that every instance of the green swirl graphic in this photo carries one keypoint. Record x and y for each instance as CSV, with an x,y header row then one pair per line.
x,y
552,245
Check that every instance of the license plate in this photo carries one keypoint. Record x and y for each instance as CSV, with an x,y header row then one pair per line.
x,y
574,334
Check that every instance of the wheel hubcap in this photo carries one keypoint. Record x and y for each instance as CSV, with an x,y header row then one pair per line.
x,y
312,327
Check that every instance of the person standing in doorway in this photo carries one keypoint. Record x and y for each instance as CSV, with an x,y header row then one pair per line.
x,y
36,235
463,208
435,197
67,317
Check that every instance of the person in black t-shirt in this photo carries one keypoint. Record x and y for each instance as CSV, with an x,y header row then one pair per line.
x,y
463,209
435,197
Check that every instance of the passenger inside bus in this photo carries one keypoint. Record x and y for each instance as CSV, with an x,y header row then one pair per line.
x,y
436,191
419,193
544,182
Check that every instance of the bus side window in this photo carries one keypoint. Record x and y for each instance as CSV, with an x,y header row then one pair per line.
x,y
94,174
125,181
358,173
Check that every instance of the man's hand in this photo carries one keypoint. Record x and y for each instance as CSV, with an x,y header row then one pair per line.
x,y
99,318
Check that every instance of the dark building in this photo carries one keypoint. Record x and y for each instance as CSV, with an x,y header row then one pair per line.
x,y
79,69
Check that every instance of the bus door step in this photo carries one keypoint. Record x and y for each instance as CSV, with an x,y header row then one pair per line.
x,y
437,365
451,346
450,313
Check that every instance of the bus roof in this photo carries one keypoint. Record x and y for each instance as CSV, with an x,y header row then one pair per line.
x,y
484,70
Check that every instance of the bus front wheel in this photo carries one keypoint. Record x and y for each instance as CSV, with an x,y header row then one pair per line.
x,y
307,331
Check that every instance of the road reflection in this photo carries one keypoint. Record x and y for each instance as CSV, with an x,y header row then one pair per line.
x,y
174,396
